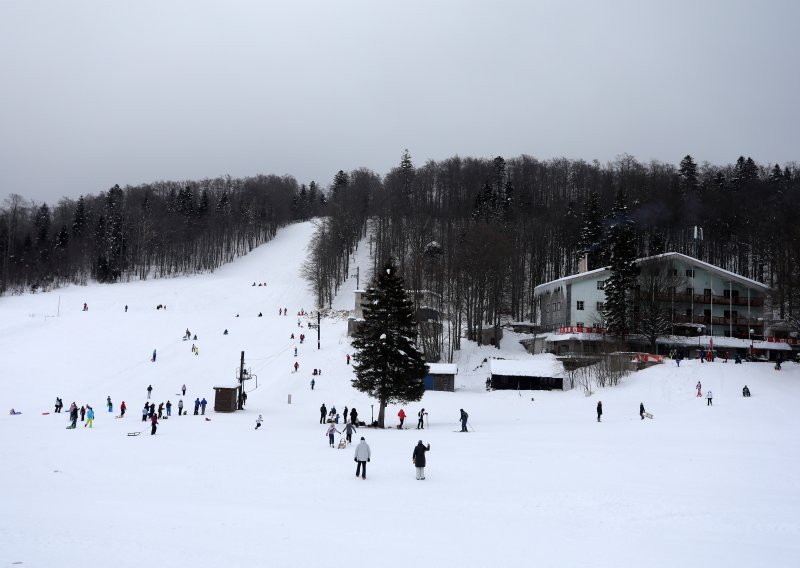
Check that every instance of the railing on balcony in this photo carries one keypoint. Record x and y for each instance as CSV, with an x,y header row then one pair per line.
x,y
679,298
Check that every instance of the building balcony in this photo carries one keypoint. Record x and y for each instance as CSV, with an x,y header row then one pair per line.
x,y
755,302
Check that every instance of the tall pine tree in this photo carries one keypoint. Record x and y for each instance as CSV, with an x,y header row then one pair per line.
x,y
388,365
622,240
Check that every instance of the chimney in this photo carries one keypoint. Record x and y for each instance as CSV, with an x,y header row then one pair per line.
x,y
583,264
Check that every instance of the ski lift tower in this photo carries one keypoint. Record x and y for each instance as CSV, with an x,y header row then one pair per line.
x,y
244,375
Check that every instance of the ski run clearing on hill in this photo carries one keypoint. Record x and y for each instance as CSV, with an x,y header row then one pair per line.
x,y
537,482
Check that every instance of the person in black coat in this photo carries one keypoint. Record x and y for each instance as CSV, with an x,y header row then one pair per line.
x,y
323,412
354,417
599,409
641,410
418,457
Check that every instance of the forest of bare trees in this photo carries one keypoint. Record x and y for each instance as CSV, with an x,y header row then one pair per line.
x,y
471,236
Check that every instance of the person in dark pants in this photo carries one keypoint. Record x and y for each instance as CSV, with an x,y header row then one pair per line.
x,y
203,404
323,412
418,457
348,431
709,399
421,420
180,407
73,415
145,412
362,456
122,409
641,410
464,418
196,406
354,416
149,391
599,409
169,408
153,424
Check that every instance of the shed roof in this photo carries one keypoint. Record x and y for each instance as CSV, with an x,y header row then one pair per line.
x,y
442,369
228,386
544,365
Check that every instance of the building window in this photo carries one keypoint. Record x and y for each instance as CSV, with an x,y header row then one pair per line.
x,y
580,304
579,324
707,292
690,273
600,306
690,291
601,284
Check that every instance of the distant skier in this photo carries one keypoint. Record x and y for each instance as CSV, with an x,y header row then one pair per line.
x,y
296,366
73,415
183,390
402,416
418,458
259,313
331,430
83,413
203,404
59,405
363,455
196,406
699,389
259,420
295,353
745,391
313,382
641,410
421,419
180,407
348,358
464,417
109,404
154,356
709,399
160,409
599,409
149,391
323,412
85,307
169,408
89,417
244,398
145,412
153,424
126,308
122,409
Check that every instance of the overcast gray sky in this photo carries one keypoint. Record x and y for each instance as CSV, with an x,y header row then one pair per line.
x,y
94,93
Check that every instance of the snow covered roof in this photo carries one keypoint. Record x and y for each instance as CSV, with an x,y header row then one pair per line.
x,y
731,342
667,255
545,365
557,337
229,386
442,369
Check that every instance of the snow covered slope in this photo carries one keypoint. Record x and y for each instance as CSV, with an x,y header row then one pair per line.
x,y
536,482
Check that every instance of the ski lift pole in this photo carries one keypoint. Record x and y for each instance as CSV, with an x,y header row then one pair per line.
x,y
318,329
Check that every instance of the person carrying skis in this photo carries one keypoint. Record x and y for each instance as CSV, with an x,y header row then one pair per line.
x,y
122,409
402,416
421,419
323,412
180,407
418,458
89,417
153,424
464,418
196,406
331,430
363,455
348,431
259,420
109,404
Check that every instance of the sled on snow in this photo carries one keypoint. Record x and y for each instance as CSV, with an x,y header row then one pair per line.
x,y
647,415
342,443
133,433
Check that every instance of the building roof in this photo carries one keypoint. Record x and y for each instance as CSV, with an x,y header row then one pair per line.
x,y
442,369
725,274
545,365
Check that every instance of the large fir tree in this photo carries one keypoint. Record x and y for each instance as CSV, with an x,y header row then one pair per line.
x,y
388,365
592,243
622,240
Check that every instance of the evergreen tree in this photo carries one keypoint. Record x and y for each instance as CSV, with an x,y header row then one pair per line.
x,y
388,365
591,241
688,173
622,240
79,218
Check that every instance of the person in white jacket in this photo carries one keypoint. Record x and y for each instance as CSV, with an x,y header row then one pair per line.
x,y
361,458
709,399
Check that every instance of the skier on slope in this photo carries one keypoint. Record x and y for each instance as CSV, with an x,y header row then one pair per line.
x,y
421,419
464,417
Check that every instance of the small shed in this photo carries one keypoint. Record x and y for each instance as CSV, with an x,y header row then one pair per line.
x,y
226,398
441,377
540,372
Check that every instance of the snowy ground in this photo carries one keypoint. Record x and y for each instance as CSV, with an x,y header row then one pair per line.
x,y
537,482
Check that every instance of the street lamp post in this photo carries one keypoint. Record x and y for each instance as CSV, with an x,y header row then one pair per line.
x,y
750,337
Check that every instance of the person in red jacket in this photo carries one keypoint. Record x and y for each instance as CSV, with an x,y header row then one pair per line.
x,y
154,423
122,408
402,416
